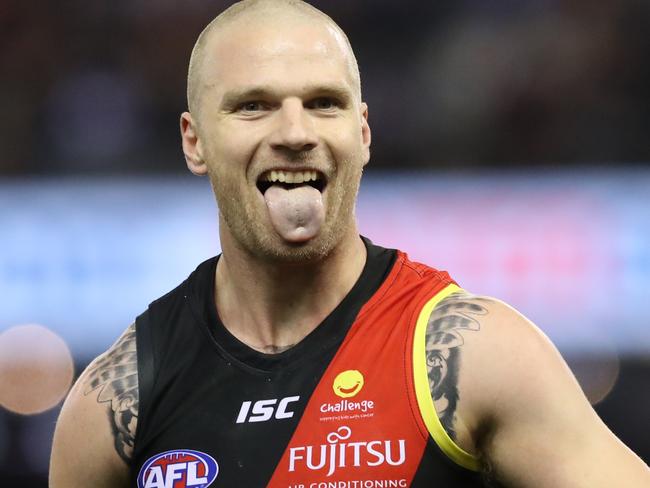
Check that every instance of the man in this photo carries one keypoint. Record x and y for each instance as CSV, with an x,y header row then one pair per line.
x,y
305,356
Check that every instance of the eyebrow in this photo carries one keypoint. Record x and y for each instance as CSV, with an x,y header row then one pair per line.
x,y
236,96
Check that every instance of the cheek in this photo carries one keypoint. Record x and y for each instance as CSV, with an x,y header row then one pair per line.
x,y
346,148
230,147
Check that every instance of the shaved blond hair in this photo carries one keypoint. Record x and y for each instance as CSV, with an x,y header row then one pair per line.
x,y
257,9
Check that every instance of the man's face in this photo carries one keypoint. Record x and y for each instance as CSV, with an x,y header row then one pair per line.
x,y
279,107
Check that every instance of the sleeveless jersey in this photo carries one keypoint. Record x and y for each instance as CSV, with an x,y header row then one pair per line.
x,y
347,407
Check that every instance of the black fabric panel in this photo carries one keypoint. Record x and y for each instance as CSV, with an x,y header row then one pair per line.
x,y
435,465
329,333
202,374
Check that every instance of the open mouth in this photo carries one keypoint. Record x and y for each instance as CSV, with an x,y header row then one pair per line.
x,y
291,179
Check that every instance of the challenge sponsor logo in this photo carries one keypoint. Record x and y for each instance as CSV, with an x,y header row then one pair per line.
x,y
178,469
264,410
347,406
339,454
346,385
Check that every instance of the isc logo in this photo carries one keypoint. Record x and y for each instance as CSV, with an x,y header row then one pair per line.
x,y
178,469
264,410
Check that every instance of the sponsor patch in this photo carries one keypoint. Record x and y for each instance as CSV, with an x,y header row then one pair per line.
x,y
180,468
348,383
341,453
264,410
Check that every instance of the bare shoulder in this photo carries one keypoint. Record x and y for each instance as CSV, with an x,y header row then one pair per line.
x,y
486,332
480,353
503,353
504,393
95,432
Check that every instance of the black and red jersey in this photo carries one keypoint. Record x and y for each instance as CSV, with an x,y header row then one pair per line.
x,y
347,407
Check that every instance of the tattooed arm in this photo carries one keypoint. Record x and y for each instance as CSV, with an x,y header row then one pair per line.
x,y
453,318
93,441
503,393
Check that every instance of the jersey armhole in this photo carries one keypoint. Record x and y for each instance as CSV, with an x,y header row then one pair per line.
x,y
423,392
144,351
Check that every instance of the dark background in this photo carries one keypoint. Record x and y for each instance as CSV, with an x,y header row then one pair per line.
x,y
97,87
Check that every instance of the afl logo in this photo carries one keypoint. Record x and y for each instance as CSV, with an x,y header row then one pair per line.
x,y
348,383
180,468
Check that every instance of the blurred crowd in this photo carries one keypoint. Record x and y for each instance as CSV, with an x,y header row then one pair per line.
x,y
97,87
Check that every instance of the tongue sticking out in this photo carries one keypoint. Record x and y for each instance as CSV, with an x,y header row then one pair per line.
x,y
297,213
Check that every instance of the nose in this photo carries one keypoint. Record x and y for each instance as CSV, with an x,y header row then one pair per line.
x,y
294,129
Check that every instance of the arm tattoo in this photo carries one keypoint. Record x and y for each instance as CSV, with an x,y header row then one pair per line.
x,y
114,376
458,312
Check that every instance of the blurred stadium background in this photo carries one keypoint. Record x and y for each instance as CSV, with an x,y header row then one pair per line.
x,y
510,146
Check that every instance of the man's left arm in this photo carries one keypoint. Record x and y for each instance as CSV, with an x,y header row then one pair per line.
x,y
537,427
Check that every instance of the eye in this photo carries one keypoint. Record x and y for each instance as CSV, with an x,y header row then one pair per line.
x,y
324,103
253,106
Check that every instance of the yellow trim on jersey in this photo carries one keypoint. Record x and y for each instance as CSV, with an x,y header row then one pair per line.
x,y
423,393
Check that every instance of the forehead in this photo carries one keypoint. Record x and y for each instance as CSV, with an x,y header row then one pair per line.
x,y
286,55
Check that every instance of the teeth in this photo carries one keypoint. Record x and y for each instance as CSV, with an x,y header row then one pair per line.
x,y
291,176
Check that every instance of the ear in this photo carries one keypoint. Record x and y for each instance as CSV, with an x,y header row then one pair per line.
x,y
366,136
192,145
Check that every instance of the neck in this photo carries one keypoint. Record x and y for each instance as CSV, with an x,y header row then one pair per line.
x,y
272,306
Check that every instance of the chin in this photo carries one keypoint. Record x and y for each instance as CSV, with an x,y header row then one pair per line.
x,y
269,246
262,242
311,251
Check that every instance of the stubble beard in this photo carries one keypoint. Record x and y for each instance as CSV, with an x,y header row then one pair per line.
x,y
251,232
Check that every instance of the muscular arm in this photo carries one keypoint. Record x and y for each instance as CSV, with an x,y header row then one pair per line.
x,y
504,393
93,441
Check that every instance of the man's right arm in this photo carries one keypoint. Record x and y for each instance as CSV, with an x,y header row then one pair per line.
x,y
94,437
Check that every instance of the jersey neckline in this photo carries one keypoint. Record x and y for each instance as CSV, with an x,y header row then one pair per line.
x,y
328,334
